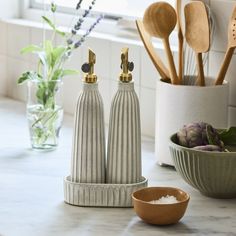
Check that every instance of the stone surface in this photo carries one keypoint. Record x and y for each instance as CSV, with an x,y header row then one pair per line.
x,y
31,191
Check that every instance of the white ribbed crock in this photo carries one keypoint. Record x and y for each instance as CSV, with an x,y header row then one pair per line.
x,y
88,154
124,137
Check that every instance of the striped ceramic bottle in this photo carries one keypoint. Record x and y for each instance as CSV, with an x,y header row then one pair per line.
x,y
88,154
124,136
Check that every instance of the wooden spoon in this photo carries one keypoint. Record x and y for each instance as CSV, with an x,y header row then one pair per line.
x,y
164,73
159,20
197,33
230,49
181,40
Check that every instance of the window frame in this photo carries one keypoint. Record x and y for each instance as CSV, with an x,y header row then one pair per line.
x,y
113,27
66,10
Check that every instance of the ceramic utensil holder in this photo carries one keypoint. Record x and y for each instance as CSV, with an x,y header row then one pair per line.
x,y
177,105
88,154
124,137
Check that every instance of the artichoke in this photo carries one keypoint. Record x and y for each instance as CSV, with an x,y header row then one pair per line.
x,y
199,134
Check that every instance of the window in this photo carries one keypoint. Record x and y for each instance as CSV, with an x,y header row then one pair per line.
x,y
118,8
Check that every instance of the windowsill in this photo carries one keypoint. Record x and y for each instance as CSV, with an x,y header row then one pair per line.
x,y
106,29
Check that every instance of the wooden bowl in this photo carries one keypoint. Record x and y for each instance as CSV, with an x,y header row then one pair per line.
x,y
160,214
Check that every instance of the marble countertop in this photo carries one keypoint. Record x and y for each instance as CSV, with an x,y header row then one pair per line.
x,y
31,191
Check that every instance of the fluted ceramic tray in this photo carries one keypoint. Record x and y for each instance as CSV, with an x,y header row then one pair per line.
x,y
100,195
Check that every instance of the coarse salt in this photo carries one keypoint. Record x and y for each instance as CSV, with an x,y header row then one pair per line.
x,y
165,200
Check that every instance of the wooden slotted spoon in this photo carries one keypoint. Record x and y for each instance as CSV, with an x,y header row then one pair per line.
x,y
146,38
230,49
197,33
159,20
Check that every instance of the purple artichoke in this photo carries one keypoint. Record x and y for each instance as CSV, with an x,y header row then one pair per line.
x,y
198,134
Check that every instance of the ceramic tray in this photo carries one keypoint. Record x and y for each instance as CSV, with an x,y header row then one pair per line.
x,y
100,195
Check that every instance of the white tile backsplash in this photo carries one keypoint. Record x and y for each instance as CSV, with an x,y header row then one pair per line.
x,y
15,68
3,74
75,61
36,36
215,61
222,10
72,86
147,110
17,37
231,116
149,74
104,87
3,38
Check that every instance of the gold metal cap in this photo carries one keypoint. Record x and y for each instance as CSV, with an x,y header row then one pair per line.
x,y
88,68
126,66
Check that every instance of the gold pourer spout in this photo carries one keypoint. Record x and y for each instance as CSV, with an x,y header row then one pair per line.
x,y
126,66
88,68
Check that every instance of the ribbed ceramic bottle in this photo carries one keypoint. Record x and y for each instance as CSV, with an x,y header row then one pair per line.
x,y
124,135
88,154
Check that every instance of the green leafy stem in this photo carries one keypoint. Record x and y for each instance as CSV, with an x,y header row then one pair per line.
x,y
54,113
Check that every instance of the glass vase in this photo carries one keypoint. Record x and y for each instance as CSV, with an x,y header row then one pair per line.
x,y
44,113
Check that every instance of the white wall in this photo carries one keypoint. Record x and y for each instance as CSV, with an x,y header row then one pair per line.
x,y
8,9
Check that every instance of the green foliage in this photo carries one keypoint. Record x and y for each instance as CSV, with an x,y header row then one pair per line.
x,y
31,49
211,136
50,71
49,22
228,136
50,66
29,75
69,72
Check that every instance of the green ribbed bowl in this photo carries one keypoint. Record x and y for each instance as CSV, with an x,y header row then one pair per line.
x,y
212,173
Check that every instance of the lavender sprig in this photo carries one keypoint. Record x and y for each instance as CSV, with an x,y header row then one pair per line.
x,y
82,39
78,24
78,5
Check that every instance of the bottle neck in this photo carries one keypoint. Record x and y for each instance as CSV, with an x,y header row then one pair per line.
x,y
126,86
90,86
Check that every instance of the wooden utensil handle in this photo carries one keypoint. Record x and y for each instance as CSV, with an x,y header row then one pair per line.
x,y
161,68
225,66
201,78
181,40
173,74
180,55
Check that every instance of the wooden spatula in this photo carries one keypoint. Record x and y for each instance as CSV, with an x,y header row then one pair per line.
x,y
230,49
197,33
146,38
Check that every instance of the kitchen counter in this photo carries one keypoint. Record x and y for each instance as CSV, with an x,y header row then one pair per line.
x,y
31,191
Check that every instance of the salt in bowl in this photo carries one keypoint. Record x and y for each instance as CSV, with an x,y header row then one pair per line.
x,y
159,213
